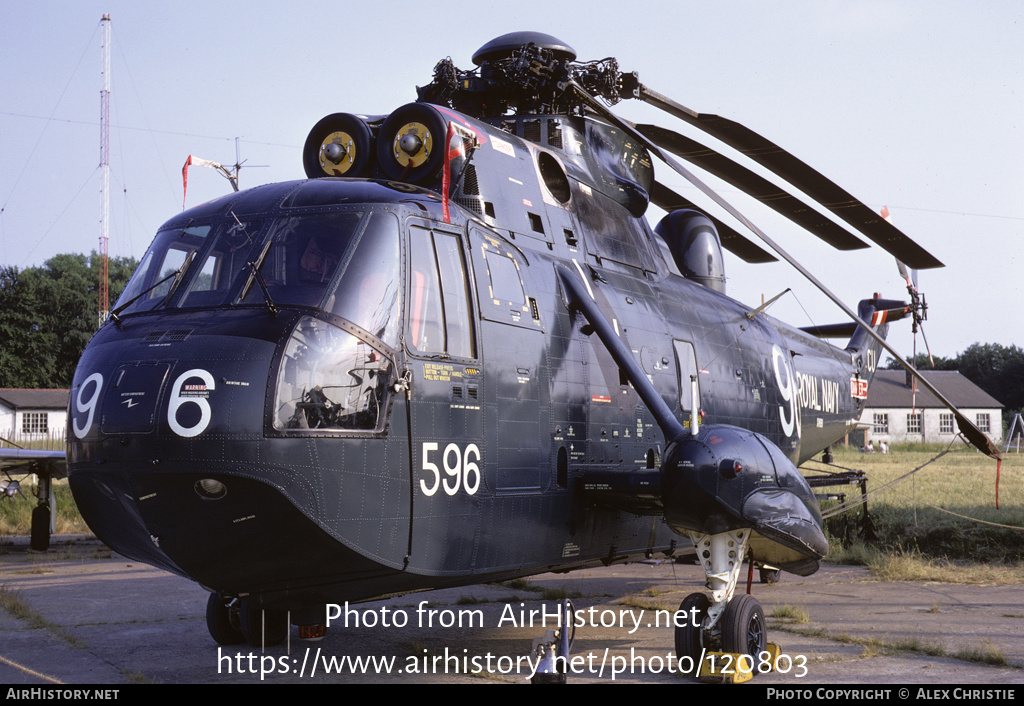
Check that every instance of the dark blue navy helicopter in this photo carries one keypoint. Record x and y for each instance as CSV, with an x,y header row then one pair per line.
x,y
458,353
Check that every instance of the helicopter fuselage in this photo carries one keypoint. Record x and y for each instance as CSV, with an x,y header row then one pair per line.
x,y
359,387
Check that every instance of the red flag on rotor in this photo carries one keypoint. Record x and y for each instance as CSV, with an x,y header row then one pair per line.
x,y
199,162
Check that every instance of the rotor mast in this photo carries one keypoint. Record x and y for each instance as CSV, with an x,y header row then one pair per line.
x,y
104,251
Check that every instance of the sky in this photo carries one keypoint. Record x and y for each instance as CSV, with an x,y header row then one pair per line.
x,y
917,105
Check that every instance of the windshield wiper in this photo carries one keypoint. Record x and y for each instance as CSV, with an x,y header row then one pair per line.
x,y
256,274
176,276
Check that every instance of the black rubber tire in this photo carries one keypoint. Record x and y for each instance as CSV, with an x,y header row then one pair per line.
x,y
431,118
218,622
40,539
690,638
362,141
263,628
744,629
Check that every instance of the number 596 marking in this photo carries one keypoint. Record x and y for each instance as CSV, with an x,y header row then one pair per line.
x,y
460,467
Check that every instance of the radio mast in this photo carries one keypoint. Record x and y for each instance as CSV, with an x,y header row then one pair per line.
x,y
104,275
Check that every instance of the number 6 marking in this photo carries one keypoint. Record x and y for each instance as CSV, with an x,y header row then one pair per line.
x,y
177,400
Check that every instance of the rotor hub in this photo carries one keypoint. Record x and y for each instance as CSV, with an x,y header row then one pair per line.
x,y
503,46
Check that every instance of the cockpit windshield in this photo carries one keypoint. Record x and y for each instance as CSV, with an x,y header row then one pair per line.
x,y
303,256
344,262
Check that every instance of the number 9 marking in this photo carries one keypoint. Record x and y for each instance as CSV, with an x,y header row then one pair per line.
x,y
89,406
453,471
788,391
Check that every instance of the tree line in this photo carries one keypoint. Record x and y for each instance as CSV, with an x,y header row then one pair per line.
x,y
48,314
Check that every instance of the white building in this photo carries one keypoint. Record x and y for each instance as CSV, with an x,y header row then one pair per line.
x,y
30,415
895,413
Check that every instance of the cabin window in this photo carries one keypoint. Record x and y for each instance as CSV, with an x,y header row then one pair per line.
x,y
506,287
502,282
439,312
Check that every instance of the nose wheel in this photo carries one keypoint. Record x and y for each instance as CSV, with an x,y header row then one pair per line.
x,y
232,621
691,638
741,630
718,620
744,630
222,620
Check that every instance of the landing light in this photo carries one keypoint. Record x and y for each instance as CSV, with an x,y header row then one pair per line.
x,y
210,489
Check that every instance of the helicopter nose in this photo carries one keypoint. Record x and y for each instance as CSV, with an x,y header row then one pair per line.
x,y
335,152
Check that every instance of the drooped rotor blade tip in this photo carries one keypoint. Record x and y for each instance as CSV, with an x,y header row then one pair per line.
x,y
813,183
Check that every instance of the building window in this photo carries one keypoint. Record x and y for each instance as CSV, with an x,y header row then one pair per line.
x,y
983,423
945,423
34,423
881,424
914,423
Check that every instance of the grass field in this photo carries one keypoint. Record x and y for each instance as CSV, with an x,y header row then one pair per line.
x,y
16,512
944,510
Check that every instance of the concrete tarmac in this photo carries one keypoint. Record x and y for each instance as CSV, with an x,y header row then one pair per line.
x,y
80,614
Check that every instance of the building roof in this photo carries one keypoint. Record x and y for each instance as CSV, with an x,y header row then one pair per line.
x,y
889,389
16,399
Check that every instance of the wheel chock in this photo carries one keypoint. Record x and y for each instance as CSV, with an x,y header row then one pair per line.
x,y
725,668
731,668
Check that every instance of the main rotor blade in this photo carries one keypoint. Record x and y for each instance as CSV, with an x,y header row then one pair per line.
x,y
799,174
966,426
739,245
755,185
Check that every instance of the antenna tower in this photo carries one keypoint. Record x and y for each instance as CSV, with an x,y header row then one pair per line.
x,y
104,276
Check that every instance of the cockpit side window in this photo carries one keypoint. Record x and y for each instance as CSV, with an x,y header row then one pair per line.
x,y
331,380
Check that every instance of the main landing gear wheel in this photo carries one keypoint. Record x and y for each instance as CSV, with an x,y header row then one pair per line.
x,y
744,630
263,627
690,637
40,540
222,620
556,644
